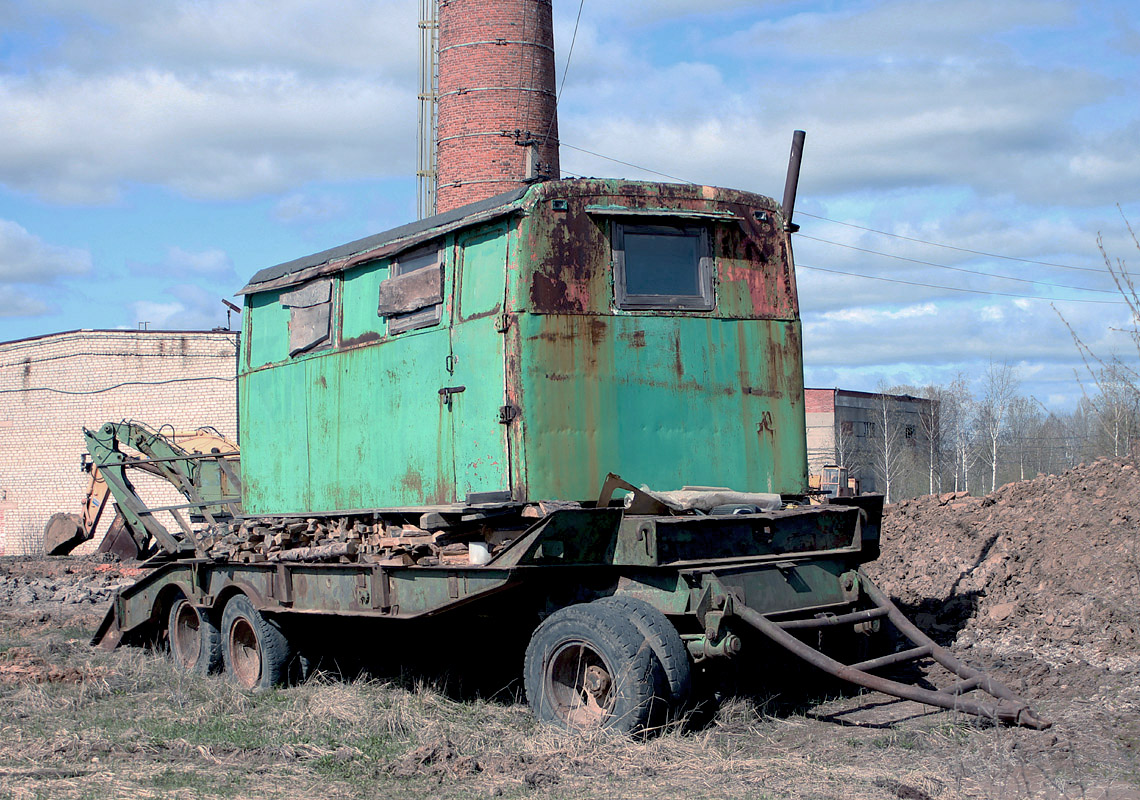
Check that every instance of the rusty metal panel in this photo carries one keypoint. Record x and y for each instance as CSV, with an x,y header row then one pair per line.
x,y
665,401
665,397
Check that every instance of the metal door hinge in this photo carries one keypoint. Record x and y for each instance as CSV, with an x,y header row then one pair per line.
x,y
503,323
507,414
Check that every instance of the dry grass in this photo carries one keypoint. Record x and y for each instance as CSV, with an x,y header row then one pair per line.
x,y
133,726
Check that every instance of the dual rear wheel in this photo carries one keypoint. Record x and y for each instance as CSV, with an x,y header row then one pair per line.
x,y
616,663
252,650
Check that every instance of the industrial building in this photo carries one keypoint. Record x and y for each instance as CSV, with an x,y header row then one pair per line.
x,y
52,386
847,428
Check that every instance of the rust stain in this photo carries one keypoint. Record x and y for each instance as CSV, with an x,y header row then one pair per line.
x,y
412,481
321,382
599,331
369,336
635,338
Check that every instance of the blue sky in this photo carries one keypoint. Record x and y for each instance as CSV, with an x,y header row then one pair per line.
x,y
155,155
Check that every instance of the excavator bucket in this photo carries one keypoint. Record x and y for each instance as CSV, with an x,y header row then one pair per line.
x,y
63,533
120,541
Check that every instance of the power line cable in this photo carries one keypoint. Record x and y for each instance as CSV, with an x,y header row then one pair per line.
x,y
956,269
875,230
627,163
950,246
955,288
116,386
565,70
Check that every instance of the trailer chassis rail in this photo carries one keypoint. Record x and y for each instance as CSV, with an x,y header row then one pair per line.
x,y
1009,708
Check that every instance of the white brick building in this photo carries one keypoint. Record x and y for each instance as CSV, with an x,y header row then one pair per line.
x,y
52,386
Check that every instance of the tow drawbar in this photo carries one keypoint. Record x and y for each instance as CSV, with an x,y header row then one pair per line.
x,y
1009,708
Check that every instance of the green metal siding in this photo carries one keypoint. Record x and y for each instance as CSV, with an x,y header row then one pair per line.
x,y
268,329
478,438
664,401
664,398
360,291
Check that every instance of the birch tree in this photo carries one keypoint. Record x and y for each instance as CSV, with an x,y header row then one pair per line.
x,y
999,387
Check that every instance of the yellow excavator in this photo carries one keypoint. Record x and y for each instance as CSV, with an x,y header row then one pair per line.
x,y
202,464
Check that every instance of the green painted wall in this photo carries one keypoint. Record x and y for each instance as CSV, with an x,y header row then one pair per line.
x,y
665,399
662,401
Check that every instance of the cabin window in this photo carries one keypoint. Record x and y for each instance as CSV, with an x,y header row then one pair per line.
x,y
310,315
661,266
413,297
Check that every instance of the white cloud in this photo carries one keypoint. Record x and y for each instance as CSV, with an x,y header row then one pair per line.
x,y
26,258
226,135
206,262
875,316
298,208
193,308
14,303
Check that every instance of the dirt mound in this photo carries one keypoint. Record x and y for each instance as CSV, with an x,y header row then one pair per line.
x,y
1047,568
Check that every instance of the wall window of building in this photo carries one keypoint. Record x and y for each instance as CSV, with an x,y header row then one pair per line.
x,y
310,316
413,297
662,266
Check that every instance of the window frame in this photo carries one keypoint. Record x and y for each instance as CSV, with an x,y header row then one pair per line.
x,y
423,317
704,301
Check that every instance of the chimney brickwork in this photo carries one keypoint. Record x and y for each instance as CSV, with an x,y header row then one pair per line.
x,y
496,98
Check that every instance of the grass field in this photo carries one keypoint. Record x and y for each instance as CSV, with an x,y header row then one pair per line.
x,y
76,722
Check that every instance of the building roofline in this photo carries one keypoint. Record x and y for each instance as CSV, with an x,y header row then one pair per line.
x,y
868,395
135,331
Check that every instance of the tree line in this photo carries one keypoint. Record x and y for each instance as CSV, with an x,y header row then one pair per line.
x,y
978,436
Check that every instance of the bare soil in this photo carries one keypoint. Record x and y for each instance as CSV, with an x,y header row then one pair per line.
x,y
1038,582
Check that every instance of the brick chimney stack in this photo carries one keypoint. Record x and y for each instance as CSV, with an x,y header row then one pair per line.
x,y
498,126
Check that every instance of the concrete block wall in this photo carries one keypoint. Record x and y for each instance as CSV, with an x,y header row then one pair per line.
x,y
52,386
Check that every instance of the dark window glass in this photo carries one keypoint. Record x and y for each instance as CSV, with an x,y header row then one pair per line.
x,y
657,264
662,266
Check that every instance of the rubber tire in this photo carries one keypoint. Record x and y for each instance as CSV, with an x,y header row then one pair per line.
x,y
666,644
208,657
635,675
257,654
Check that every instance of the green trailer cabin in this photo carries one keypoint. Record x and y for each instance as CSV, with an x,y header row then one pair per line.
x,y
522,348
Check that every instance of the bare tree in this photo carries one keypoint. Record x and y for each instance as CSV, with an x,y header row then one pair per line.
x,y
888,447
1024,421
930,420
1116,407
1115,378
999,387
957,413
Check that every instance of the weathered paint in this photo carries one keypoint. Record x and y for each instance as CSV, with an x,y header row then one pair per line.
x,y
529,331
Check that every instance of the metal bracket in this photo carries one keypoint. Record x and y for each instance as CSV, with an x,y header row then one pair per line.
x,y
447,391
507,414
503,323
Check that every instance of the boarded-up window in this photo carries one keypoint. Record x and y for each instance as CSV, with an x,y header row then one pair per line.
x,y
310,314
413,297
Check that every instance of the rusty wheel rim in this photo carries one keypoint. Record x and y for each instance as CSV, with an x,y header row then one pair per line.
x,y
245,653
186,637
580,685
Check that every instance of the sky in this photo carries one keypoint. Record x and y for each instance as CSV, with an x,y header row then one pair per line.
x,y
154,155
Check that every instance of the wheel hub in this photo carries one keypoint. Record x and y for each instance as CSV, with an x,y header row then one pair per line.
x,y
245,653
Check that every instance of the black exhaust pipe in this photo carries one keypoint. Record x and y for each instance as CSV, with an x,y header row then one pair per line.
x,y
792,183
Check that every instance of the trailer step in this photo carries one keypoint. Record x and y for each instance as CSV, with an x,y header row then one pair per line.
x,y
1008,708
